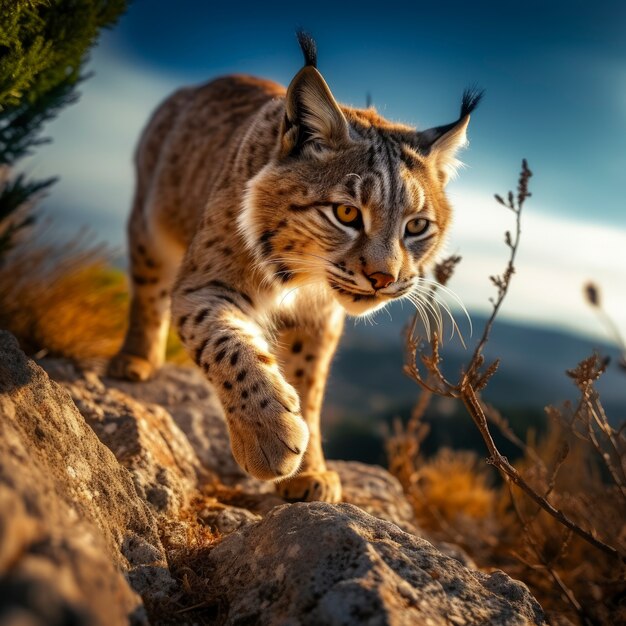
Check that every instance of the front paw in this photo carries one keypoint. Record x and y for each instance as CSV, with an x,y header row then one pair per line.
x,y
270,443
311,486
129,367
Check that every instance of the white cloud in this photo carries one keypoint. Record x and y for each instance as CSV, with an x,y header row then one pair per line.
x,y
556,257
93,145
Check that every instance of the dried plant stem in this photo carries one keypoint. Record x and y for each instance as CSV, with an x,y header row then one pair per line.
x,y
567,592
495,417
501,463
476,377
600,419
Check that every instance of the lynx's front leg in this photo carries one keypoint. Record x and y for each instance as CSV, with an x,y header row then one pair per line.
x,y
216,324
305,353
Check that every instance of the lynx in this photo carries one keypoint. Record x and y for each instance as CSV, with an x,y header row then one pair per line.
x,y
261,217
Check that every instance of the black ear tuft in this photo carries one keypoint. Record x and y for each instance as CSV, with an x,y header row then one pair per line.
x,y
471,99
308,47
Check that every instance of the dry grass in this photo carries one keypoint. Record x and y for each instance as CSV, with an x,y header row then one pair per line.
x,y
67,300
456,498
188,542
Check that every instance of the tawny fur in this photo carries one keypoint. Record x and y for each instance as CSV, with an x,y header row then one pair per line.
x,y
232,227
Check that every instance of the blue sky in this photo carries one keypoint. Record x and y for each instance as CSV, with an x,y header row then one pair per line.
x,y
555,76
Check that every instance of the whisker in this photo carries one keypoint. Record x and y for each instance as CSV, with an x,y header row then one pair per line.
x,y
423,306
422,313
432,296
428,302
451,293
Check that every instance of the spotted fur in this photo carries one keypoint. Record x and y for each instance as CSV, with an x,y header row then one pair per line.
x,y
233,230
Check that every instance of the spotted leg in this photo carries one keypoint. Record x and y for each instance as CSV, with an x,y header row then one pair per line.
x,y
305,354
216,322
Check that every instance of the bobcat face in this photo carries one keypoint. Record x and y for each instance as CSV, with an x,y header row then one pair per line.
x,y
351,202
360,226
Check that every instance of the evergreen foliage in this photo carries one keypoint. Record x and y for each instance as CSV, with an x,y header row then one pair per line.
x,y
43,45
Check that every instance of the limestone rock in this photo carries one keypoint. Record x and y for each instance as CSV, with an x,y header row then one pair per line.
x,y
191,401
316,563
73,531
143,436
81,517
376,491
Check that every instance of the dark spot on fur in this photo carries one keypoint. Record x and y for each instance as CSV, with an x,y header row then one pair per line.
x,y
200,350
254,388
234,358
297,347
266,242
221,340
144,280
228,385
264,403
244,394
182,320
200,316
309,357
299,373
246,297
226,299
220,355
241,375
285,274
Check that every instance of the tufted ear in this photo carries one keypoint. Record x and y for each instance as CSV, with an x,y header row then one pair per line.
x,y
442,143
311,113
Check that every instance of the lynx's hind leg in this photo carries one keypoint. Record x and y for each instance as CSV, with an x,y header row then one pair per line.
x,y
154,261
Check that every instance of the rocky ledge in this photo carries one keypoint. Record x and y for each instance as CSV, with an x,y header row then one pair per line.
x,y
121,503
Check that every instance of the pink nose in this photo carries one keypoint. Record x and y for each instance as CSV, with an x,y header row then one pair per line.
x,y
380,280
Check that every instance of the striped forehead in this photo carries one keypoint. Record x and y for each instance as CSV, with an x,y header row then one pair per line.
x,y
386,184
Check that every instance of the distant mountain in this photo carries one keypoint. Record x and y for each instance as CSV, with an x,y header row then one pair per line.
x,y
367,379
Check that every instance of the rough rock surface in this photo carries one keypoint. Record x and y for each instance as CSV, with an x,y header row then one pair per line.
x,y
72,528
81,516
318,563
142,435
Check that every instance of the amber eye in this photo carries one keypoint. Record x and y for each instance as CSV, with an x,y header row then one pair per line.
x,y
348,215
417,226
